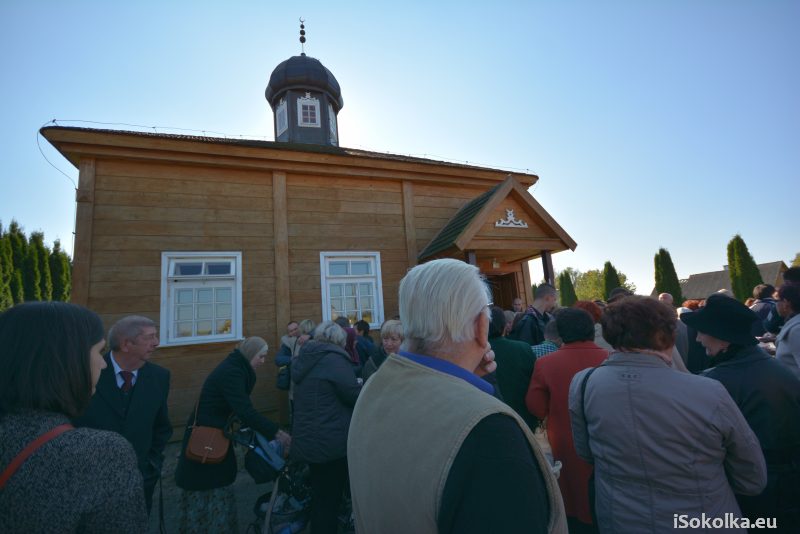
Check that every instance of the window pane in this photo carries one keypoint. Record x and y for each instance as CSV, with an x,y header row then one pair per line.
x,y
184,296
366,303
205,295
184,313
337,268
223,294
349,290
203,328
366,315
360,268
205,311
336,304
224,326
336,290
188,269
223,311
218,268
183,330
365,289
350,304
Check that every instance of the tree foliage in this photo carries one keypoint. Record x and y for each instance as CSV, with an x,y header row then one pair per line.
x,y
589,285
566,289
43,257
60,270
27,267
742,269
31,275
611,279
666,277
6,272
796,260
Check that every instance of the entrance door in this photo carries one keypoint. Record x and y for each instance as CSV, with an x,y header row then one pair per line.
x,y
504,289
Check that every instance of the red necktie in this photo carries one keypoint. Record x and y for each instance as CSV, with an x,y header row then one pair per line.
x,y
127,377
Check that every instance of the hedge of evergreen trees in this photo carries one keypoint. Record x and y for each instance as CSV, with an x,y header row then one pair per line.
x,y
29,270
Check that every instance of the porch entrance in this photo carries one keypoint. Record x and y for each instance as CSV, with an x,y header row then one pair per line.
x,y
504,289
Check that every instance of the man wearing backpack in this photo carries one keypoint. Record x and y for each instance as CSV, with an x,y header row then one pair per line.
x,y
530,328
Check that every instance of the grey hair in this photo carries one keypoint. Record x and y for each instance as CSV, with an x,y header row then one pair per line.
x,y
439,302
307,326
392,327
330,332
551,332
127,328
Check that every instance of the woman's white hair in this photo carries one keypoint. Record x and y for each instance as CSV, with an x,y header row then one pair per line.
x,y
330,332
439,302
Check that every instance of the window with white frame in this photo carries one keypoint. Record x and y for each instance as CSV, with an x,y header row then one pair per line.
x,y
308,111
282,121
332,124
351,286
201,297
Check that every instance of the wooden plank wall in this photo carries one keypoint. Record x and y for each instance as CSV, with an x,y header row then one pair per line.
x,y
435,205
143,209
342,214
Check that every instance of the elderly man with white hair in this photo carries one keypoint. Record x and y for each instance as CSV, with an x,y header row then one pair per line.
x,y
437,453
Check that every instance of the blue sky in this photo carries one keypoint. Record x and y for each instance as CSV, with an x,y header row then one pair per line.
x,y
650,124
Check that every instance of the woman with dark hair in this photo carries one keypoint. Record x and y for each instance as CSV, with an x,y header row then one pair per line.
x,y
207,502
767,393
662,442
787,344
78,479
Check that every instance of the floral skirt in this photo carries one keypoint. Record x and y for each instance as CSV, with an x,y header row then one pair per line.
x,y
208,511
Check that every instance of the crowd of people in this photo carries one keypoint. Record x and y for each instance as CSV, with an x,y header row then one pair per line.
x,y
625,415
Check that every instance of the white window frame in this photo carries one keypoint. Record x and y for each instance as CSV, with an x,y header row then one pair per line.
x,y
281,118
375,258
169,282
308,100
332,124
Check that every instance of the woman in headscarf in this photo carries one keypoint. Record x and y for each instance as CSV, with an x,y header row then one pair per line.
x,y
207,502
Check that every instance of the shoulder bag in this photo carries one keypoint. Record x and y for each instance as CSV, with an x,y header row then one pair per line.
x,y
207,444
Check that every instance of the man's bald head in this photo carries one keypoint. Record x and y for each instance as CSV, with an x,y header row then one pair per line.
x,y
666,298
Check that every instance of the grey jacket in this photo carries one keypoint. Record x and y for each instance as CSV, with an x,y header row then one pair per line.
x,y
84,480
787,345
325,391
662,443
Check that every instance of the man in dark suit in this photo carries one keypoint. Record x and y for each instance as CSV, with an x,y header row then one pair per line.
x,y
131,397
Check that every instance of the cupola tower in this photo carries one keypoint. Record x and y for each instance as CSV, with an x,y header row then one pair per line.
x,y
305,99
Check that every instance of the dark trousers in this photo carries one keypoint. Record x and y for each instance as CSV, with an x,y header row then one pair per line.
x,y
328,481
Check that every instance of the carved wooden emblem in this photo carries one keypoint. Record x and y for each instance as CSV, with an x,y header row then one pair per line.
x,y
510,221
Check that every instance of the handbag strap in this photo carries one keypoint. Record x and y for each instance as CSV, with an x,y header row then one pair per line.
x,y
30,449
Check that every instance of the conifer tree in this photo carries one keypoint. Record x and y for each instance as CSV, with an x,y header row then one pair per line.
x,y
566,289
61,273
18,253
31,276
666,277
43,255
610,279
742,269
6,272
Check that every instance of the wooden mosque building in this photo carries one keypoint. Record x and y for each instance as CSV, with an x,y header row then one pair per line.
x,y
219,239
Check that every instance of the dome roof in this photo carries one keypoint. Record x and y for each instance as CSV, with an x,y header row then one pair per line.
x,y
303,72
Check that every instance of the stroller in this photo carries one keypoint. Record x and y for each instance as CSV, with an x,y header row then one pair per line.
x,y
284,509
